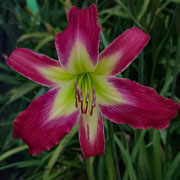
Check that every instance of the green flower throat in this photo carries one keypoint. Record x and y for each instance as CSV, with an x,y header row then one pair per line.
x,y
85,93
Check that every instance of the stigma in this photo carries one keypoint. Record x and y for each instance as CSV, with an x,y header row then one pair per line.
x,y
85,94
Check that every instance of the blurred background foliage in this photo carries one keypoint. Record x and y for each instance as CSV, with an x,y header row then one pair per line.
x,y
130,153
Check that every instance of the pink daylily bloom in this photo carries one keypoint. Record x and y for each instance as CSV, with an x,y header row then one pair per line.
x,y
84,87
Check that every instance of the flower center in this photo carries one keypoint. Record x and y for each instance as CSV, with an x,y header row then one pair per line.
x,y
85,93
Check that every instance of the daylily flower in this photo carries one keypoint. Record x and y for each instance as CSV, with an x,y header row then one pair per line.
x,y
84,87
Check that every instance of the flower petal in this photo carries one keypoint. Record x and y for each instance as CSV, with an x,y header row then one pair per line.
x,y
138,106
121,52
91,134
37,67
78,45
47,120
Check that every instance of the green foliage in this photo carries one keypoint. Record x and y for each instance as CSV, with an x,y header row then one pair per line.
x,y
134,154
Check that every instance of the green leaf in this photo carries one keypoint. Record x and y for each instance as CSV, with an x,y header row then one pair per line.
x,y
176,1
21,164
116,11
144,167
35,35
21,91
57,152
109,162
143,9
13,151
135,150
128,161
157,156
129,13
43,42
101,168
9,79
4,67
173,167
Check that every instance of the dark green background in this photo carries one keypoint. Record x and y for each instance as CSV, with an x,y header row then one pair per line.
x,y
141,155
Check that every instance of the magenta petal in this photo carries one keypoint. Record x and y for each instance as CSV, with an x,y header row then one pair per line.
x,y
123,50
142,108
91,134
82,28
27,62
35,127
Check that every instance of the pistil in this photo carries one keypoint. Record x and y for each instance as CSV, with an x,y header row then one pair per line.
x,y
76,94
87,99
93,101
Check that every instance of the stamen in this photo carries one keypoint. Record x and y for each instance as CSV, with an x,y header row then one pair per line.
x,y
82,107
93,101
87,128
87,96
86,108
81,100
91,112
85,93
76,102
94,97
76,89
76,85
80,96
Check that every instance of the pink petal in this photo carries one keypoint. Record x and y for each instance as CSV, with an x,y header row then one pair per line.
x,y
122,51
91,134
27,62
38,129
82,34
141,106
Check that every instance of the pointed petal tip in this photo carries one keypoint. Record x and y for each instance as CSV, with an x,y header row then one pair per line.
x,y
37,150
143,108
15,130
122,52
28,63
91,134
139,32
8,60
93,7
147,37
35,127
82,32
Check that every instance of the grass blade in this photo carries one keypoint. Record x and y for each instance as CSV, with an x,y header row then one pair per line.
x,y
13,151
56,153
127,157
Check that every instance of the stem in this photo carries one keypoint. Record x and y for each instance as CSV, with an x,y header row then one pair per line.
x,y
113,149
90,168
